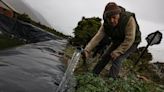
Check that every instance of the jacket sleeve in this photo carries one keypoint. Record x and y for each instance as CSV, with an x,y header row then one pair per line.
x,y
96,39
130,31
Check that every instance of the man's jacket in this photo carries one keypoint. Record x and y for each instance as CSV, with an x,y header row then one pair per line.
x,y
123,35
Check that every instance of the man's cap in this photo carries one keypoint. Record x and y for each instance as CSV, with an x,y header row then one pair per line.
x,y
112,9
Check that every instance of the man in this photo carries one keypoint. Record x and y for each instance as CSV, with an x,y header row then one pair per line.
x,y
101,47
122,28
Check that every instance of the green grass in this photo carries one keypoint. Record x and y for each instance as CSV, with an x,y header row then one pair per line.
x,y
90,83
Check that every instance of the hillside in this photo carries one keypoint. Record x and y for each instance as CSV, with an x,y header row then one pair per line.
x,y
24,17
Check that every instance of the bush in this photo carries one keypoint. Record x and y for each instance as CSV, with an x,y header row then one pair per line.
x,y
85,30
130,83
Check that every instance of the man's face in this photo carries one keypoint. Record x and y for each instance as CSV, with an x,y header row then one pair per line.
x,y
113,20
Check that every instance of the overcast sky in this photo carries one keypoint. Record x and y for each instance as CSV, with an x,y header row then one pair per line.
x,y
63,15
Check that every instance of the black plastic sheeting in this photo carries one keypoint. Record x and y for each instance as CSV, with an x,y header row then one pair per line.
x,y
32,68
35,67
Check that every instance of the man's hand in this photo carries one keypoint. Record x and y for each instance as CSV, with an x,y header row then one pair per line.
x,y
114,55
85,54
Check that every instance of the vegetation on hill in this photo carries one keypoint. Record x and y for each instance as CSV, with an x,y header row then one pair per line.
x,y
24,17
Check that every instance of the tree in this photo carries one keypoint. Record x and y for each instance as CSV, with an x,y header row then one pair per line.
x,y
85,30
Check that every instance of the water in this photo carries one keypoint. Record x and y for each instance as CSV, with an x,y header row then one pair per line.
x,y
68,75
